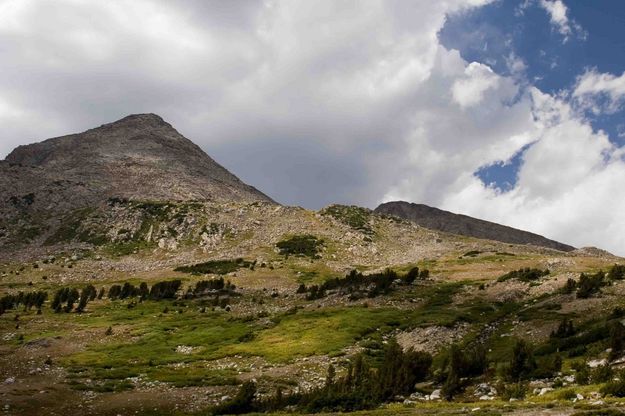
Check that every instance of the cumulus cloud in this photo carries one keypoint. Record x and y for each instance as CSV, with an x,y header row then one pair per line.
x,y
314,103
558,15
470,90
600,92
568,184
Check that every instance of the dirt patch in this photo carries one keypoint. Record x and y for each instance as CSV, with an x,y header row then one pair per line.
x,y
433,338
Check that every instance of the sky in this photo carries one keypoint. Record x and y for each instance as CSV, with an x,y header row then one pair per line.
x,y
510,111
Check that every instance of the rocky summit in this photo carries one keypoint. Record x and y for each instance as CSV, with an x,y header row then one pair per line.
x,y
139,157
138,276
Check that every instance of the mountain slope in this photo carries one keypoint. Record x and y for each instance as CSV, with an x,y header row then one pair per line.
x,y
139,157
446,221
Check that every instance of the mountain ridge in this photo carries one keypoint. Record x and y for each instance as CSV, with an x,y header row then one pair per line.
x,y
441,220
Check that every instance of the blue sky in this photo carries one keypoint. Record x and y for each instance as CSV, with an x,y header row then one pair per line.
x,y
553,62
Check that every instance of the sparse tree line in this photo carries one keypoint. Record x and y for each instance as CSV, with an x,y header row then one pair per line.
x,y
361,387
358,285
591,284
65,298
167,289
72,299
210,288
27,300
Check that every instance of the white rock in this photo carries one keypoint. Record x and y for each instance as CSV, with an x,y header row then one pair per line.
x,y
9,380
544,391
436,395
597,363
579,397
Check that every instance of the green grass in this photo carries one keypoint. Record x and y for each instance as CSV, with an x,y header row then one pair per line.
x,y
319,332
154,337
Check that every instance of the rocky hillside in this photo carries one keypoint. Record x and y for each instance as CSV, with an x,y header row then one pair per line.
x,y
139,157
437,219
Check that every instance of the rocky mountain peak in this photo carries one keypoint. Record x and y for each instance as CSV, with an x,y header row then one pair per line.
x,y
140,157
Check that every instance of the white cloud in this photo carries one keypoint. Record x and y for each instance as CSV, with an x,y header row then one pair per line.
x,y
469,90
558,15
600,92
568,184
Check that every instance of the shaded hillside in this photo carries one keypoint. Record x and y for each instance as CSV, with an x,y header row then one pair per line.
x,y
437,219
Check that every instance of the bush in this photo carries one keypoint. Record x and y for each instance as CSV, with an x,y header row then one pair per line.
x,y
459,364
615,388
242,403
301,245
362,387
566,394
602,374
28,300
588,285
616,272
215,267
565,329
569,287
617,339
522,363
357,285
524,275
513,391
165,290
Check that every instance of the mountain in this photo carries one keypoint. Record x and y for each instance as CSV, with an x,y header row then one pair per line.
x,y
446,221
140,157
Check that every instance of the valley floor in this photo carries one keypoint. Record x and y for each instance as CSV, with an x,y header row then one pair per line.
x,y
141,351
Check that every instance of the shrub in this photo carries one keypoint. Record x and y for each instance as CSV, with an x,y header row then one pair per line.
x,y
301,245
461,363
165,289
242,403
617,339
524,275
569,287
357,285
566,394
565,329
616,272
215,267
522,363
27,300
588,285
513,391
615,388
602,374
